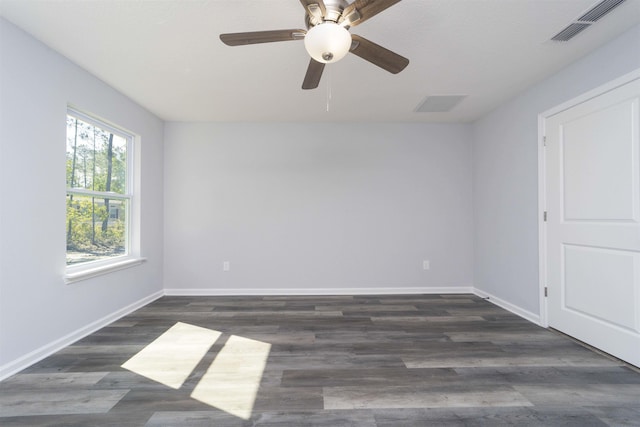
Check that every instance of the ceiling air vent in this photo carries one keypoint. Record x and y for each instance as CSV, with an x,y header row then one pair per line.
x,y
599,10
585,20
569,32
439,103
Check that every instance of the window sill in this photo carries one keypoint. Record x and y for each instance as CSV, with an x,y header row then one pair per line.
x,y
88,273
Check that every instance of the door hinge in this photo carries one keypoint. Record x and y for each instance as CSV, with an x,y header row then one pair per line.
x,y
545,216
546,291
544,140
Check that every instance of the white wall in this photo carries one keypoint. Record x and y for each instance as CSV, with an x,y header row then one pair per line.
x,y
37,309
317,207
505,173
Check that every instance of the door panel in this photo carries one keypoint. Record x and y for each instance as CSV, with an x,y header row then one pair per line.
x,y
598,177
594,275
592,162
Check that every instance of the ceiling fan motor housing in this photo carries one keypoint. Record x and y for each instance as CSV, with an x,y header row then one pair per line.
x,y
333,13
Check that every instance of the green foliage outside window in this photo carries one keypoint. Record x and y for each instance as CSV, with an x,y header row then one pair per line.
x,y
97,199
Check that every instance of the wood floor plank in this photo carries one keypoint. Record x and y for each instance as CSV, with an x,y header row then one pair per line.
x,y
319,418
422,397
496,360
487,417
621,395
62,380
54,402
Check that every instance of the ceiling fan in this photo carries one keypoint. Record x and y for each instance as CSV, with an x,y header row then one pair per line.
x,y
327,37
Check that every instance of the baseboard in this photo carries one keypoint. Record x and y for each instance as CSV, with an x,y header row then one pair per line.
x,y
35,356
532,317
320,291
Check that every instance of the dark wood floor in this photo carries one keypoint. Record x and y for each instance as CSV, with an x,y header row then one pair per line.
x,y
401,360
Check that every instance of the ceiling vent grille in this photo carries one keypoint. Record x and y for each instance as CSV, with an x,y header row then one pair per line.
x,y
585,20
570,32
439,103
599,10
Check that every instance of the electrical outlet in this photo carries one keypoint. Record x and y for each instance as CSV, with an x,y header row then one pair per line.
x,y
426,264
226,266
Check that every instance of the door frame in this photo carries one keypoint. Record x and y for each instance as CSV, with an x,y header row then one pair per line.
x,y
542,178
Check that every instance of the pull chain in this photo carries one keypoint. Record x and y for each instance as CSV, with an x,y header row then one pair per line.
x,y
328,74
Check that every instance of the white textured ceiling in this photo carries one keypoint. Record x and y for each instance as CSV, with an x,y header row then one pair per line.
x,y
166,55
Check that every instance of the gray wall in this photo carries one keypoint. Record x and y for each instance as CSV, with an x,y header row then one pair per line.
x,y
37,309
330,207
505,173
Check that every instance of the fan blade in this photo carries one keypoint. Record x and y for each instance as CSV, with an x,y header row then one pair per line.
x,y
361,10
314,73
378,55
239,39
315,8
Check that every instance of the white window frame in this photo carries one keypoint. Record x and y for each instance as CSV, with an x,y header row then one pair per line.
x,y
131,257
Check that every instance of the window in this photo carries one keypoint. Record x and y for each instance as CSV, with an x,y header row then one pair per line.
x,y
99,193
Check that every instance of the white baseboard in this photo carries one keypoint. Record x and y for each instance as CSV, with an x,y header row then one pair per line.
x,y
320,291
532,317
35,356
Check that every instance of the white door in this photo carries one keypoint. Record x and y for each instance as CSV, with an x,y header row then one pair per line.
x,y
593,221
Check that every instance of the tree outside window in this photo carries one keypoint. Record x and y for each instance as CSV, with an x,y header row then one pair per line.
x,y
98,190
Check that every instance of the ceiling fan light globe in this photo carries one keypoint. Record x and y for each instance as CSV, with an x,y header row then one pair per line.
x,y
327,42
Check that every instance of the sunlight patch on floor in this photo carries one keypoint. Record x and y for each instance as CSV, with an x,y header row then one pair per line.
x,y
231,383
172,357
